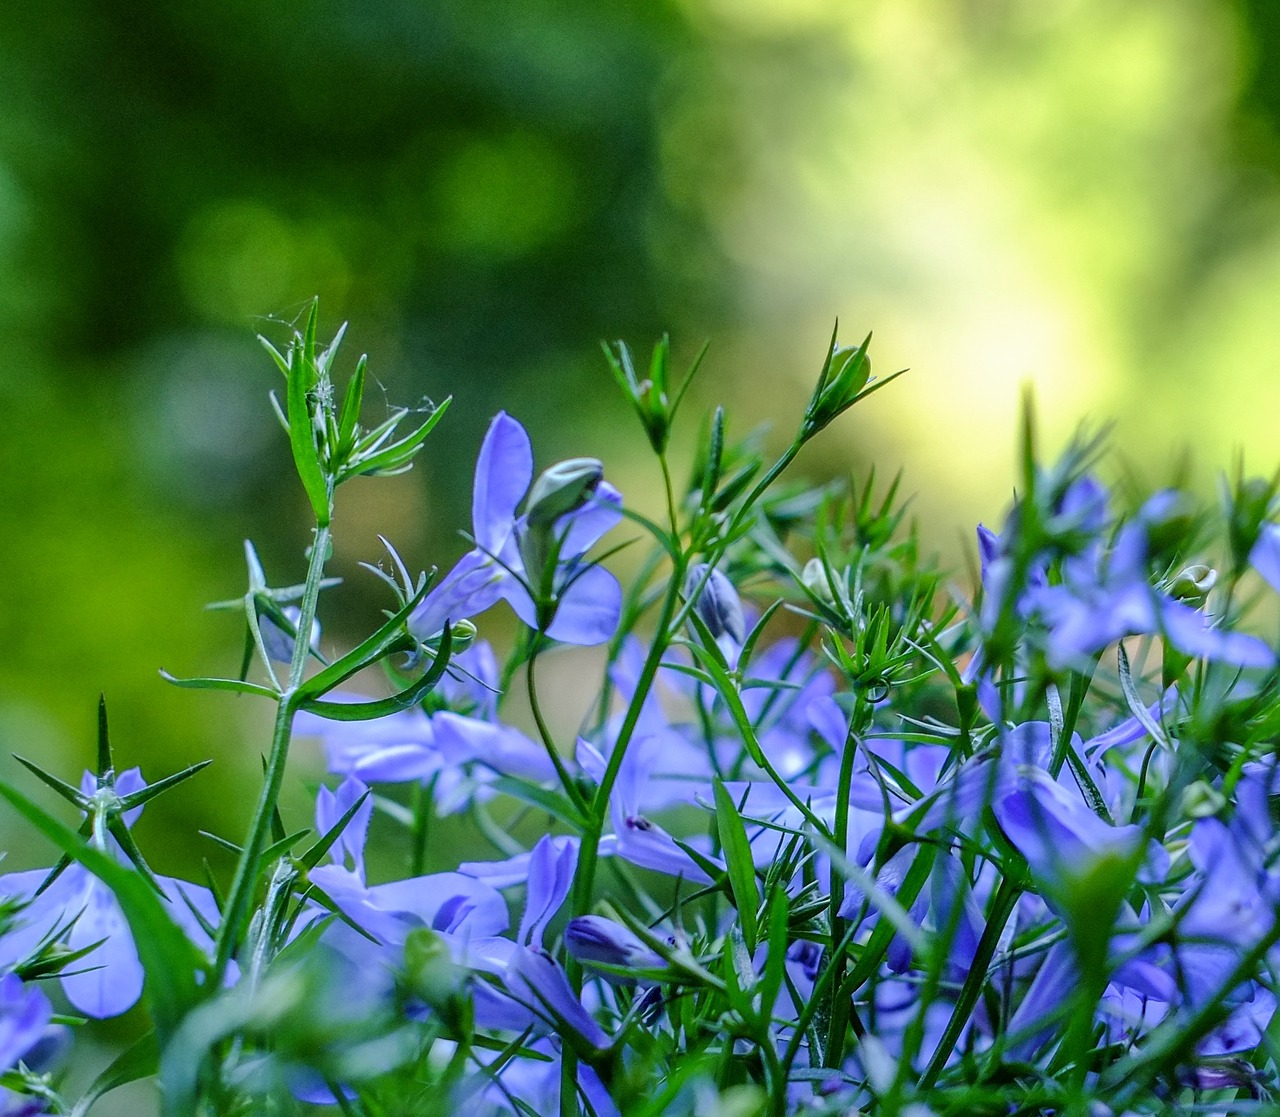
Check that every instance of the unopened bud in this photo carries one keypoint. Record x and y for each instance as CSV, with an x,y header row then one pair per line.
x,y
592,939
717,604
1193,584
430,971
814,578
564,487
1202,800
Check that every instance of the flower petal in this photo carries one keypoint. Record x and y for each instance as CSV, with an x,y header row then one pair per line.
x,y
503,472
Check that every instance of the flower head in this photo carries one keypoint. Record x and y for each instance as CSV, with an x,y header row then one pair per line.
x,y
571,600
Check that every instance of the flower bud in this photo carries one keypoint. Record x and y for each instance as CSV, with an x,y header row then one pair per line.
x,y
814,578
564,487
846,374
1193,584
1202,800
431,974
718,604
592,939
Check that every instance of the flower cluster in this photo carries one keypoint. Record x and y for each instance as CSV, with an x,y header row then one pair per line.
x,y
835,835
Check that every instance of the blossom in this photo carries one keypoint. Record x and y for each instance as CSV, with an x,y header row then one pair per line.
x,y
1106,595
25,1012
537,993
588,597
109,979
451,903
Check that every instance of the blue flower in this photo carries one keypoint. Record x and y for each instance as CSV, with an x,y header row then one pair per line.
x,y
450,903
109,980
1106,595
588,597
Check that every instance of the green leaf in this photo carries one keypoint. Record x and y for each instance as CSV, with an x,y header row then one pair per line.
x,y
311,858
237,685
399,453
105,763
552,802
137,798
306,458
1134,701
688,379
367,652
349,416
69,793
775,966
141,1060
739,862
169,959
406,699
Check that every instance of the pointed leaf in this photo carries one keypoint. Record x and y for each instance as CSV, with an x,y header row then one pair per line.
x,y
406,699
237,685
137,798
140,1060
69,793
739,862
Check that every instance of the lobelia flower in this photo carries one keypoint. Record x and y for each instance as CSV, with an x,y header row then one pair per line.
x,y
25,1013
636,837
588,598
1105,596
534,990
278,643
599,942
107,981
457,906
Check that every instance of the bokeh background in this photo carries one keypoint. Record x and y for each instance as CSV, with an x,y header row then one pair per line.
x,y
1079,195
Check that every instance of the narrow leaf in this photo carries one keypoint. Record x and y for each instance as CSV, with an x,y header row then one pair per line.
x,y
238,685
739,862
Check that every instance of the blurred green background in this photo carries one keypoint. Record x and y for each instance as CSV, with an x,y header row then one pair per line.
x,y
1082,195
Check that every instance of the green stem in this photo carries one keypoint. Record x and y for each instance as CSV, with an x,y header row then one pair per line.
x,y
839,1019
245,880
566,780
1001,909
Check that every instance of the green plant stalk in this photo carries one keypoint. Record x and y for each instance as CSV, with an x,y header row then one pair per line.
x,y
544,733
243,884
838,1023
1001,909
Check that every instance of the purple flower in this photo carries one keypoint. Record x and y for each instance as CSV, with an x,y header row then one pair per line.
x,y
25,1012
637,837
1063,839
589,597
537,993
595,940
440,749
1106,596
108,981
450,903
